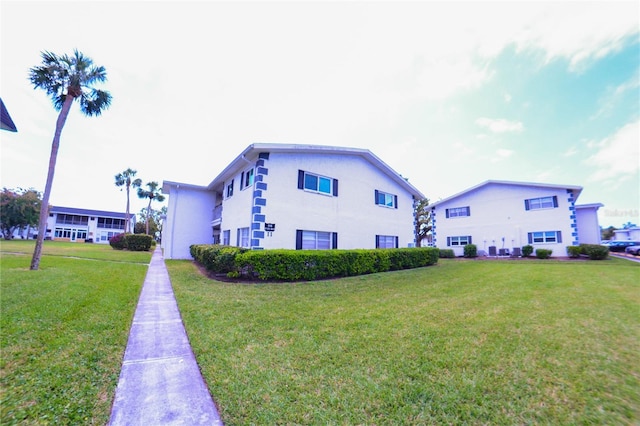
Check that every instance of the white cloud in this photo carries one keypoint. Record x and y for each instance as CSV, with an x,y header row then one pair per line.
x,y
570,152
500,125
618,156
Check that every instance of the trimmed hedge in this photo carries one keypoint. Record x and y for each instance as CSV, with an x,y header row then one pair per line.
x,y
470,250
527,250
574,251
132,242
447,254
307,265
118,242
138,242
543,253
595,251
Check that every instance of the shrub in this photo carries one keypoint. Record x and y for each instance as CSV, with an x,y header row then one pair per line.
x,y
295,265
447,254
574,251
527,250
470,250
594,251
118,242
138,242
543,253
215,257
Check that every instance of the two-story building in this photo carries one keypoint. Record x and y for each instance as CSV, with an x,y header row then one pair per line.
x,y
500,217
293,197
83,225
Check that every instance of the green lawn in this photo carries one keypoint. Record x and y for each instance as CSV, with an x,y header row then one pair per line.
x,y
463,342
64,329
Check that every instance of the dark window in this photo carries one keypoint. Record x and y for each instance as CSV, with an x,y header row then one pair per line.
x,y
458,212
386,199
316,183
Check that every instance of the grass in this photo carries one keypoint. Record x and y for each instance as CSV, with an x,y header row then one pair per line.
x,y
64,329
463,342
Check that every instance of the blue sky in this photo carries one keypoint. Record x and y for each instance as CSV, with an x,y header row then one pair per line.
x,y
449,94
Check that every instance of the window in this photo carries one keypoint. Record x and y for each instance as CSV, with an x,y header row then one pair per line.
x,y
458,212
226,237
110,223
541,203
72,219
243,237
106,236
542,237
316,183
387,200
246,179
230,189
316,240
386,241
459,241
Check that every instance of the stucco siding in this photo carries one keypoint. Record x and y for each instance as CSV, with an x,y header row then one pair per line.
x,y
498,217
352,214
588,226
189,216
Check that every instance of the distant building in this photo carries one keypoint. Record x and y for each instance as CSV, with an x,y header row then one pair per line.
x,y
275,196
6,123
500,216
627,234
82,225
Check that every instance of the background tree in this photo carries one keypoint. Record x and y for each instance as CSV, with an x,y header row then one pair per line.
x,y
19,209
153,192
156,220
422,221
65,78
126,179
607,233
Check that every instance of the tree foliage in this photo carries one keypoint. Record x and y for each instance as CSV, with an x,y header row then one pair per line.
x,y
65,78
422,221
19,209
126,179
152,193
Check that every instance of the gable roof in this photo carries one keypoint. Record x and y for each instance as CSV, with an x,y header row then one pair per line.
x,y
576,189
254,149
87,212
6,122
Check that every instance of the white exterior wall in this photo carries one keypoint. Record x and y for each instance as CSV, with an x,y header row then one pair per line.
x,y
189,216
588,225
352,214
93,231
498,212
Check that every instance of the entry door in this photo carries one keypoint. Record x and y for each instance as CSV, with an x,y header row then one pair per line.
x,y
73,234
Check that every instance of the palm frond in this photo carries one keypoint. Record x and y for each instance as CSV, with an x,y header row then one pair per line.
x,y
94,102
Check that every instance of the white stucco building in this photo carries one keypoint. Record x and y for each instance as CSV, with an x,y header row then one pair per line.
x,y
498,216
81,225
294,197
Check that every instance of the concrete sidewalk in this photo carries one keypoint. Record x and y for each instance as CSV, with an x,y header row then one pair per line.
x,y
160,382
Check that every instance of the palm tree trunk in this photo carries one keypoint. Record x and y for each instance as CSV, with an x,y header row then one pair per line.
x,y
148,210
127,224
44,208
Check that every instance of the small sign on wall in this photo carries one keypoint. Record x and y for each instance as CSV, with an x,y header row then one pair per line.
x,y
269,227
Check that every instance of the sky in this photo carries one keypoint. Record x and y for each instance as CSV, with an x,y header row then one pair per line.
x,y
449,94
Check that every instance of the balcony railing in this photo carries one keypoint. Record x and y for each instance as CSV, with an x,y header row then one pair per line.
x,y
217,213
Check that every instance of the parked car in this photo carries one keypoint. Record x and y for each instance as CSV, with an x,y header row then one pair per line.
x,y
635,250
620,246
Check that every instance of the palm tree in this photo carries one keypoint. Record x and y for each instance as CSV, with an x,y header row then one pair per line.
x,y
65,78
153,193
125,179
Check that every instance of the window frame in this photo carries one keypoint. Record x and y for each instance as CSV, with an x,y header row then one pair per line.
x,y
247,178
241,237
302,183
544,237
229,189
456,212
226,237
300,239
386,241
541,203
456,241
390,200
